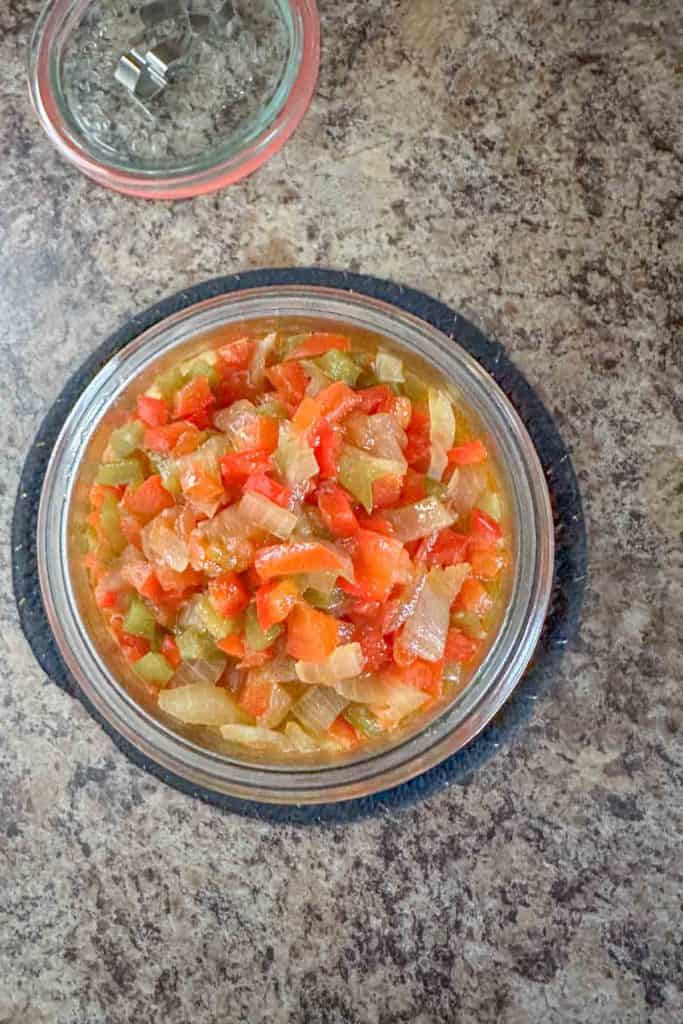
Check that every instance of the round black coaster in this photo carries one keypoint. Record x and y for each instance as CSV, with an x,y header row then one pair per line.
x,y
561,624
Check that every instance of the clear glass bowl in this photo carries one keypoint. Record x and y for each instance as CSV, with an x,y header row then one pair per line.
x,y
88,650
229,103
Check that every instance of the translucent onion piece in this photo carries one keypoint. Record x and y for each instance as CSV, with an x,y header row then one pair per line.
x,y
380,435
404,700
388,368
319,707
257,368
419,520
452,579
299,739
441,432
162,545
264,513
206,671
465,487
323,582
367,689
277,670
199,704
317,380
237,422
424,634
257,737
358,470
280,703
491,503
407,606
452,673
344,663
294,457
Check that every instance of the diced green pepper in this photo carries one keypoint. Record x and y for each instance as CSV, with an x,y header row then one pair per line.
x,y
415,389
217,625
255,638
170,381
491,503
435,489
139,619
154,668
339,366
469,623
110,524
194,644
202,368
127,438
125,471
362,718
358,471
272,407
321,599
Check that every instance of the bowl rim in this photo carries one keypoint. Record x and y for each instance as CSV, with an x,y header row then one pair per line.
x,y
349,780
172,185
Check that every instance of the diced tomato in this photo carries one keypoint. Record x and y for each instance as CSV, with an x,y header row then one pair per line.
x,y
328,443
236,355
228,594
149,499
301,556
376,649
311,635
289,380
418,449
469,454
256,697
169,649
238,466
450,548
484,526
165,438
274,602
413,487
380,563
486,564
193,400
473,597
386,491
375,399
460,647
232,645
344,733
337,511
260,483
152,411
319,343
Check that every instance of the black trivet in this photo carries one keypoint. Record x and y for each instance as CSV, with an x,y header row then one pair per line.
x,y
561,623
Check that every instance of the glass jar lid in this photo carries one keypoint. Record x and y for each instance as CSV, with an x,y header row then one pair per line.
x,y
172,98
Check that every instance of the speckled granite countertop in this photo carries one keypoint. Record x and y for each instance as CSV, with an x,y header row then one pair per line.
x,y
521,161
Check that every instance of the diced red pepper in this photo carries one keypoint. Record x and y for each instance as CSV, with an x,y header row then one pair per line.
x,y
485,527
98,492
169,649
133,647
337,511
193,400
375,399
450,548
422,675
149,499
311,635
375,647
261,483
379,564
232,645
289,380
237,467
328,444
459,647
152,411
486,564
469,454
344,733
165,438
172,581
300,556
473,597
319,343
131,528
256,697
336,401
376,522
417,451
274,602
236,355
254,659
386,491
306,416
413,487
228,594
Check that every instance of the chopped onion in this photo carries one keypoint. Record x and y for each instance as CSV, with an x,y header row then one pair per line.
x,y
257,368
299,739
256,736
419,520
277,670
162,545
388,368
407,606
358,470
344,663
491,503
442,431
205,671
237,421
453,578
402,702
424,634
317,380
294,457
199,704
380,435
264,513
323,582
319,707
367,689
464,488
280,703
452,673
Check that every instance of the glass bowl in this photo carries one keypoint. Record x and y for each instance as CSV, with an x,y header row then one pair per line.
x,y
90,653
228,101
